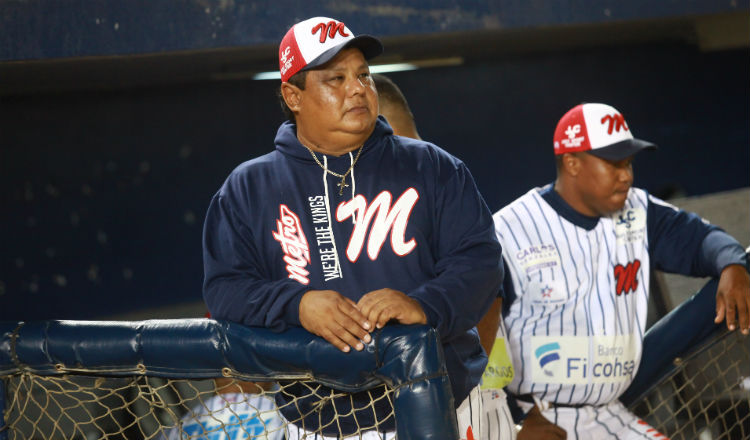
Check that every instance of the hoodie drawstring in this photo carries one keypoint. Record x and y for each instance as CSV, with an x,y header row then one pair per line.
x,y
354,184
328,211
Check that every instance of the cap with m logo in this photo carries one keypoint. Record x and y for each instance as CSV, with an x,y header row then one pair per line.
x,y
316,41
598,129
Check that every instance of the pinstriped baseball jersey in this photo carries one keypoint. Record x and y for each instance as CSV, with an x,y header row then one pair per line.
x,y
576,327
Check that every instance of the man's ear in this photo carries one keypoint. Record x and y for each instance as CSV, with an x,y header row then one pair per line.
x,y
292,96
571,164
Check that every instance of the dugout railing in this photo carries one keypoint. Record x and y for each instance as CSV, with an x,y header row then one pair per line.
x,y
93,379
153,379
703,395
694,376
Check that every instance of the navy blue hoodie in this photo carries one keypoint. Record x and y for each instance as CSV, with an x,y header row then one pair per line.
x,y
411,219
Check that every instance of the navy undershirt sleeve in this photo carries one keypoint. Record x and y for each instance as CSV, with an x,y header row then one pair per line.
x,y
720,250
682,242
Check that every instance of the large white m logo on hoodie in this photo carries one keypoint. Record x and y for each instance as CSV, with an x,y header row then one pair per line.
x,y
386,218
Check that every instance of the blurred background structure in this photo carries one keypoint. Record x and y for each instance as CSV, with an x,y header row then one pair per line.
x,y
120,119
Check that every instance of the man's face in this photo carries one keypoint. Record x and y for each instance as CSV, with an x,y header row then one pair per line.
x,y
339,100
603,185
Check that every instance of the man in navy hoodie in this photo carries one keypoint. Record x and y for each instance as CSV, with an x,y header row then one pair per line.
x,y
346,227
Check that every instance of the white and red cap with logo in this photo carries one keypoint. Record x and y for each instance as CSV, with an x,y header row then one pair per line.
x,y
598,129
316,41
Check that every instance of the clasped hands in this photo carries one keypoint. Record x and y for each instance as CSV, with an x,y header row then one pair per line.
x,y
347,324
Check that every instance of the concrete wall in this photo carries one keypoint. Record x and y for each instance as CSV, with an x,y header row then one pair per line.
x,y
731,211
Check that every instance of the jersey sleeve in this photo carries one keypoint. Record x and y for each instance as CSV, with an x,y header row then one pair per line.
x,y
720,250
682,242
468,268
236,286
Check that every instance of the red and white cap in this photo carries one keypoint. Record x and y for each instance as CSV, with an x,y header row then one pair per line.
x,y
598,129
316,41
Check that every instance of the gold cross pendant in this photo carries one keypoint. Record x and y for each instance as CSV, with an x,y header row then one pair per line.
x,y
342,185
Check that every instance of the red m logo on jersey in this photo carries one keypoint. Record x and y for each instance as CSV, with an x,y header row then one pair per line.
x,y
627,277
384,218
328,30
616,122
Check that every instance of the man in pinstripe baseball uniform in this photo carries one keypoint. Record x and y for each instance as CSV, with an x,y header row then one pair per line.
x,y
579,252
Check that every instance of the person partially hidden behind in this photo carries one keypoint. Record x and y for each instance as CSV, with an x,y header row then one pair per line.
x,y
346,227
487,409
578,255
238,410
394,107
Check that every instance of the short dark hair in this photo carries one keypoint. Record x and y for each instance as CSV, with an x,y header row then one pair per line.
x,y
389,91
298,80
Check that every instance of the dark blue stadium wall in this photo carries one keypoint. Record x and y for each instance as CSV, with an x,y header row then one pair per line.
x,y
43,29
104,189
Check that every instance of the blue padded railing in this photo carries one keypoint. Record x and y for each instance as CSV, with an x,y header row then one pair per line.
x,y
406,358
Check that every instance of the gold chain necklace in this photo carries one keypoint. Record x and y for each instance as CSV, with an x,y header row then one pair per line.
x,y
343,183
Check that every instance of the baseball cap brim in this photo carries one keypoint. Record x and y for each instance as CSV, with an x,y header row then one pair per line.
x,y
622,149
369,45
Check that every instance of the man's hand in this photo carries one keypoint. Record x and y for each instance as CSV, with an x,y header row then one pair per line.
x,y
733,298
335,318
537,427
380,306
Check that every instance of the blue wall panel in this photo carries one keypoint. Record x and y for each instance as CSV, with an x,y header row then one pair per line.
x,y
49,29
104,192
